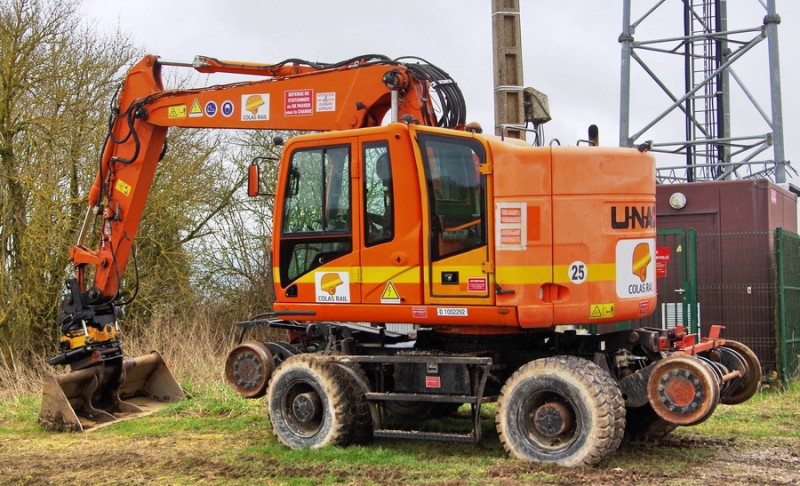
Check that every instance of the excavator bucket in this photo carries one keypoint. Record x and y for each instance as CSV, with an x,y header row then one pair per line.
x,y
107,392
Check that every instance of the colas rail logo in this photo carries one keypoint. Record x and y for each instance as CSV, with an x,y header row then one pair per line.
x,y
641,260
332,287
255,107
329,282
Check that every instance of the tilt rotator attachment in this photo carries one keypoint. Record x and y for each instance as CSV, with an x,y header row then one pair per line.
x,y
103,386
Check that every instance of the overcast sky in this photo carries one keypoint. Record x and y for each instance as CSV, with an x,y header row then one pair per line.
x,y
570,49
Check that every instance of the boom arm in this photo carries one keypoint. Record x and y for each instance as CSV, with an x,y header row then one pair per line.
x,y
293,95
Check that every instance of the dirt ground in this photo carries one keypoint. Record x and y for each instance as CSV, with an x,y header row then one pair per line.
x,y
223,457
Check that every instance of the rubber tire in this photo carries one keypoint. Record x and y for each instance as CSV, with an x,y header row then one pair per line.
x,y
339,404
589,392
752,382
364,413
642,424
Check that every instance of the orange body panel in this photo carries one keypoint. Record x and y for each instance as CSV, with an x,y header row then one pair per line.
x,y
571,240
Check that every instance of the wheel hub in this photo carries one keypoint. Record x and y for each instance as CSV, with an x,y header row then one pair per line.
x,y
552,419
680,392
247,371
306,407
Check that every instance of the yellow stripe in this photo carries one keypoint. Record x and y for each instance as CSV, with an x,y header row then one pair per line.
x,y
517,275
533,274
524,274
601,272
398,275
369,275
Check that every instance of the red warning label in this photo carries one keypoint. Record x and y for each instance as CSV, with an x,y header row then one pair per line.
x,y
662,260
298,102
433,382
477,284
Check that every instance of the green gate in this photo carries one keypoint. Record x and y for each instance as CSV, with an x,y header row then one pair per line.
x,y
676,280
787,260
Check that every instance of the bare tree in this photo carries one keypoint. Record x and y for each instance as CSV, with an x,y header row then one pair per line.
x,y
234,265
55,75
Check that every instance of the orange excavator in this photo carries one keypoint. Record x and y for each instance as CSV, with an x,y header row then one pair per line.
x,y
495,251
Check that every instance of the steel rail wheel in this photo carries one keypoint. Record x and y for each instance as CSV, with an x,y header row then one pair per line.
x,y
683,390
312,403
248,369
748,384
563,409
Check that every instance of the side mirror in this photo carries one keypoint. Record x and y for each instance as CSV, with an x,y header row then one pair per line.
x,y
253,180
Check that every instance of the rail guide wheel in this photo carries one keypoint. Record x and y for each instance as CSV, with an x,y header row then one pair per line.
x,y
248,369
683,390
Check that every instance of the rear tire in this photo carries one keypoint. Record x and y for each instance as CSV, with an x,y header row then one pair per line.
x,y
314,404
363,414
563,409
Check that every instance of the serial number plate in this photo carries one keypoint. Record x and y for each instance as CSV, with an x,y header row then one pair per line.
x,y
452,312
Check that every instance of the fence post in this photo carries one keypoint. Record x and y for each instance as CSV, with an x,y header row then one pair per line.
x,y
781,299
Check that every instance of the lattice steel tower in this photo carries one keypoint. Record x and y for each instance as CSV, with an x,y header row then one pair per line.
x,y
709,52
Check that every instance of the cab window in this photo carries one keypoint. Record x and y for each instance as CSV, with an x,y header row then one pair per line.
x,y
456,193
317,218
378,194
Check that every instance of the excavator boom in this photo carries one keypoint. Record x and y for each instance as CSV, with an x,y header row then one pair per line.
x,y
291,95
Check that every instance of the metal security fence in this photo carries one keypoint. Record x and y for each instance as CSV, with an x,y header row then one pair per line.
x,y
737,288
787,263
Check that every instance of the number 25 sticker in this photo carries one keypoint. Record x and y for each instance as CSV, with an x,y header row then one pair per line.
x,y
578,272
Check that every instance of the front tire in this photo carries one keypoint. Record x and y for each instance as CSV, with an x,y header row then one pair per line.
x,y
313,403
563,409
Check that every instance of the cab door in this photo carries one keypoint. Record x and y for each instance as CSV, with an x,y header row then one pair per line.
x,y
391,221
316,257
457,222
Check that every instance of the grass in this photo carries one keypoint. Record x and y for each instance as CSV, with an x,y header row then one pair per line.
x,y
767,414
217,437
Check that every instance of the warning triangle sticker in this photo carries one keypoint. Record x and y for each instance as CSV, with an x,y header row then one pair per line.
x,y
595,312
196,109
390,295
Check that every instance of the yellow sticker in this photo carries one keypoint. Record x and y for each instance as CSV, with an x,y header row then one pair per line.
x,y
123,188
177,111
390,295
196,109
601,311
